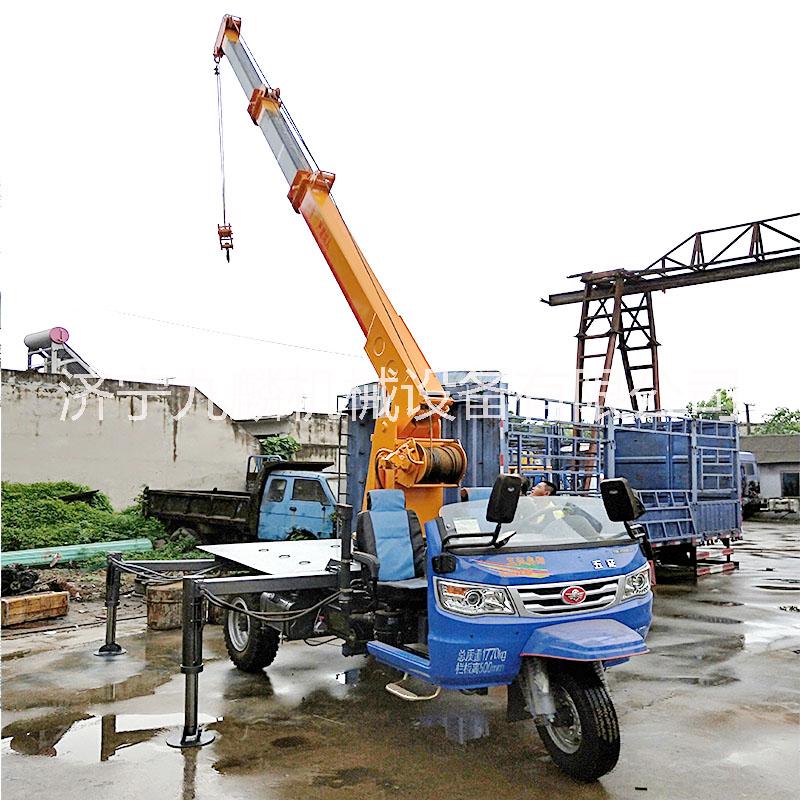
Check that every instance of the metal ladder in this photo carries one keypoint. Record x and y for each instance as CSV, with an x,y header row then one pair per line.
x,y
342,455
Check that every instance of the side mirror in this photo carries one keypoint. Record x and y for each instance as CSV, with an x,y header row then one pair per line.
x,y
620,501
504,499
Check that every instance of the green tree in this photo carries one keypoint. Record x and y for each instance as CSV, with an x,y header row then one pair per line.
x,y
281,445
720,404
781,420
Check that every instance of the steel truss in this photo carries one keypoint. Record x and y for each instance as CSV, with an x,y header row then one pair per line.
x,y
617,305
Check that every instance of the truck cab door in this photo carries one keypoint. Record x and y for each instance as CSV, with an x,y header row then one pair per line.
x,y
273,516
311,507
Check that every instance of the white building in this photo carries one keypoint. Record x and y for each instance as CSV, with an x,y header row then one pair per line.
x,y
778,457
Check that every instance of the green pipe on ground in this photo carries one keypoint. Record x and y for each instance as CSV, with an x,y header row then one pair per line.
x,y
43,556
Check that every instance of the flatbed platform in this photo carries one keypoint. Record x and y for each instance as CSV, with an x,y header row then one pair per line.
x,y
287,558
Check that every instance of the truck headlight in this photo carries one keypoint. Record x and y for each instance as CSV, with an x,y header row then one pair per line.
x,y
473,599
637,583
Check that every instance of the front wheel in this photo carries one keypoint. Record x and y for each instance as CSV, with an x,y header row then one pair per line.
x,y
251,643
583,738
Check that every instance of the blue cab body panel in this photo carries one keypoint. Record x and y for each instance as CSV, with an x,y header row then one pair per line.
x,y
470,652
586,640
296,501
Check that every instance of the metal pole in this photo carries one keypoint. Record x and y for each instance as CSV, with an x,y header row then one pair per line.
x,y
113,575
696,456
344,519
193,734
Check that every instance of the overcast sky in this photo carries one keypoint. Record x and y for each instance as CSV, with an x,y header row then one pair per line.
x,y
483,152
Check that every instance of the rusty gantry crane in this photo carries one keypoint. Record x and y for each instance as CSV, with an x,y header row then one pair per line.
x,y
617,304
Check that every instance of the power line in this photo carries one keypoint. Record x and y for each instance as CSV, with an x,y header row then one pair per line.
x,y
216,332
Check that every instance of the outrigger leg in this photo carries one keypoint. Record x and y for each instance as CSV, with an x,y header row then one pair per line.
x,y
113,574
193,734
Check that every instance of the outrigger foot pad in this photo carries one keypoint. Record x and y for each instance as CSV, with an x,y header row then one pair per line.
x,y
405,693
200,739
110,650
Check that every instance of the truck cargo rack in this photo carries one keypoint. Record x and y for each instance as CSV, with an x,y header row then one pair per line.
x,y
556,440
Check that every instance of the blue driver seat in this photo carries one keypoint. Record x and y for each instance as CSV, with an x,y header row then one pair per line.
x,y
392,534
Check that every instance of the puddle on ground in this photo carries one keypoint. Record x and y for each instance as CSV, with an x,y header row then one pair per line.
x,y
711,679
711,651
244,685
79,678
725,603
14,656
290,741
349,677
459,727
707,618
85,738
778,587
353,776
776,629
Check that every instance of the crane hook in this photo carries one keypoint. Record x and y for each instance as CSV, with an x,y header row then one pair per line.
x,y
225,233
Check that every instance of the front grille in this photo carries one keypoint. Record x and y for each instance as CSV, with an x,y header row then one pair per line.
x,y
546,600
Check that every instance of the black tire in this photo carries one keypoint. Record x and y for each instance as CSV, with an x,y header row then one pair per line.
x,y
251,644
590,749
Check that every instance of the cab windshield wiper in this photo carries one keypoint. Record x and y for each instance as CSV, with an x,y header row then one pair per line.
x,y
505,540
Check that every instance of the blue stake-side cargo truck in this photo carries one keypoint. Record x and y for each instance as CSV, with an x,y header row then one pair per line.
x,y
685,470
284,500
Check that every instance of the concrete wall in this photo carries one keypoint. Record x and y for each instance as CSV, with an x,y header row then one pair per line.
x,y
174,445
317,433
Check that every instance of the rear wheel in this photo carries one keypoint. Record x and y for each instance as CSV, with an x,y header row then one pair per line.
x,y
251,643
583,738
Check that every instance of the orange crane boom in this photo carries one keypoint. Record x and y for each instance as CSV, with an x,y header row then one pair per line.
x,y
407,449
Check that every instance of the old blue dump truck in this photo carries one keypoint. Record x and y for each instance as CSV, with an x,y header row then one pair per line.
x,y
685,470
284,500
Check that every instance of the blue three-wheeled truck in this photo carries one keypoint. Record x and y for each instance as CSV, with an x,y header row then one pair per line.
x,y
537,593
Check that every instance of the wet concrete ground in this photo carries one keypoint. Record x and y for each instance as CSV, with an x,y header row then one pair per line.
x,y
712,712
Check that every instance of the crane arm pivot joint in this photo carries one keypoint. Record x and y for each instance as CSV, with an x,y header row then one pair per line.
x,y
305,180
261,100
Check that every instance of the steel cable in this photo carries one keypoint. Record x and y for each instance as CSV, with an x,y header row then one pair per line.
x,y
265,616
221,143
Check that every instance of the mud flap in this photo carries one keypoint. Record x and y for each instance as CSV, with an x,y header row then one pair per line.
x,y
516,707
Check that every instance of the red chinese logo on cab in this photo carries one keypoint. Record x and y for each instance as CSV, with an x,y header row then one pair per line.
x,y
573,595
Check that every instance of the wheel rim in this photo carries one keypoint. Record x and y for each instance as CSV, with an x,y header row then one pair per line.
x,y
565,729
239,625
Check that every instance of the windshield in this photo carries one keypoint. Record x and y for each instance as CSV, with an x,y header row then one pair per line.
x,y
539,522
